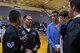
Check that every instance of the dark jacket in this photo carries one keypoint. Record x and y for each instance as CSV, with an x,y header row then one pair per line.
x,y
63,29
33,38
11,41
72,37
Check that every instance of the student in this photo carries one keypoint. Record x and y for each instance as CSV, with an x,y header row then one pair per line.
x,y
53,34
72,36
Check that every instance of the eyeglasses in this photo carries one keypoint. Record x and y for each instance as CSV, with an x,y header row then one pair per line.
x,y
54,15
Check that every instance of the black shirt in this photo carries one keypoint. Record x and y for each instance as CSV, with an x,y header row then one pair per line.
x,y
63,29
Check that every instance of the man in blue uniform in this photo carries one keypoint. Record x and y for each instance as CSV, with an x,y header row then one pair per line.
x,y
11,40
29,36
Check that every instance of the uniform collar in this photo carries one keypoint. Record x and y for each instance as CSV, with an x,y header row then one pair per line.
x,y
27,30
13,27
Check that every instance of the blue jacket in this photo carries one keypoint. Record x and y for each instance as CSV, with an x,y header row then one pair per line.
x,y
53,36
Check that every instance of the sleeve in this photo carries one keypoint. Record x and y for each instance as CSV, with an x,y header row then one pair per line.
x,y
49,33
74,37
38,43
63,30
19,32
11,43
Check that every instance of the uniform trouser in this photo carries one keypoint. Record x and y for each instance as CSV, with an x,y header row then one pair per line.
x,y
57,52
34,51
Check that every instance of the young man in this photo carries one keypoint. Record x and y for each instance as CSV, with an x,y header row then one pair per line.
x,y
53,34
64,17
11,41
30,37
72,36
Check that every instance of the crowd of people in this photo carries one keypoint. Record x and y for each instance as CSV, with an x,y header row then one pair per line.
x,y
62,33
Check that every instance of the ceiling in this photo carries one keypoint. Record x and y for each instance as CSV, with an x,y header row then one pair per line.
x,y
46,4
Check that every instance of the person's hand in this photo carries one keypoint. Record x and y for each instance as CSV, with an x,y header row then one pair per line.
x,y
28,51
24,38
57,50
35,49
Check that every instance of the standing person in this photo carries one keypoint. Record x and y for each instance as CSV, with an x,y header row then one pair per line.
x,y
11,41
64,17
53,34
72,36
3,29
30,37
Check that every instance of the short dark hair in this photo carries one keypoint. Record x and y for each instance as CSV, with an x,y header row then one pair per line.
x,y
25,17
14,15
55,12
64,14
75,3
4,25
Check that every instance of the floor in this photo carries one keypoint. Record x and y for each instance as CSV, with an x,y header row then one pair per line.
x,y
43,48
0,48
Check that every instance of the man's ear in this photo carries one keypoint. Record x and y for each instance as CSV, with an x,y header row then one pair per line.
x,y
67,17
74,8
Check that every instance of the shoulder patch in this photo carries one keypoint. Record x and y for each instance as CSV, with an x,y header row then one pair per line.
x,y
10,45
23,32
33,33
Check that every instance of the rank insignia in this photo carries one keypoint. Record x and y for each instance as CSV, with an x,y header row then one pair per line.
x,y
10,45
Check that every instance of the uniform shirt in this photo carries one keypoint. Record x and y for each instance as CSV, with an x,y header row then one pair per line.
x,y
33,38
11,40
